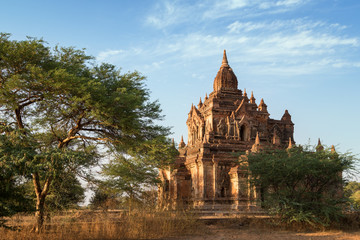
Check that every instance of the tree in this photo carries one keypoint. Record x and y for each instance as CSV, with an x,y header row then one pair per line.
x,y
300,184
352,191
65,192
133,174
104,199
69,107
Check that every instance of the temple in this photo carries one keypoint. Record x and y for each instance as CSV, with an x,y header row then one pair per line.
x,y
225,125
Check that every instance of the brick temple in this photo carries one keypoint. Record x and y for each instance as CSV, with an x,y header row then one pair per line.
x,y
227,124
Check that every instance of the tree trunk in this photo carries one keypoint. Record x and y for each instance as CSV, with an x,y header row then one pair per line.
x,y
18,118
39,214
40,200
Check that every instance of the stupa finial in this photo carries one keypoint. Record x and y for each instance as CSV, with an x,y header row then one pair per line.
x,y
225,61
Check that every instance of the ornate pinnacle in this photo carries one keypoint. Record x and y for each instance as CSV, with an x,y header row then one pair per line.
x,y
262,106
256,146
290,144
245,94
225,61
182,143
252,99
319,147
333,149
257,139
206,97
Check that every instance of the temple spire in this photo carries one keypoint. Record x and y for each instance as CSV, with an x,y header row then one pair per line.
x,y
224,61
225,78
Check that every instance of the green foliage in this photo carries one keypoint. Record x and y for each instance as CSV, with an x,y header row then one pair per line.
x,y
66,192
15,152
355,198
62,110
103,199
132,174
352,191
299,184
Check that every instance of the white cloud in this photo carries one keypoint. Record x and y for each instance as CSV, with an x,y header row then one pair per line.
x,y
292,25
108,53
308,39
244,26
231,4
168,13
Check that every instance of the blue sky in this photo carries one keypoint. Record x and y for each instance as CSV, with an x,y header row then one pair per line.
x,y
300,55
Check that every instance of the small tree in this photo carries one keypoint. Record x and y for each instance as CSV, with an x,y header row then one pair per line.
x,y
65,192
103,199
300,184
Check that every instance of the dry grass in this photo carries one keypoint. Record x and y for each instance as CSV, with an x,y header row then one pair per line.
x,y
260,229
103,225
164,225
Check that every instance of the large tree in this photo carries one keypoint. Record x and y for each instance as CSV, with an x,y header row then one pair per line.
x,y
71,108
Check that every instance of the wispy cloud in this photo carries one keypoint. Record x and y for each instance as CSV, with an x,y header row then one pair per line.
x,y
283,3
168,13
288,46
249,8
303,51
105,55
172,13
292,25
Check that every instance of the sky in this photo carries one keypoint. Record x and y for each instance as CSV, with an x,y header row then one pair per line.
x,y
299,55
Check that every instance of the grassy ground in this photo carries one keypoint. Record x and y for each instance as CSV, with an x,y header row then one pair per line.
x,y
160,225
251,229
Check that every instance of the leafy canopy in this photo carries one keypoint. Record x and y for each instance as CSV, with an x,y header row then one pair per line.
x,y
60,112
301,184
